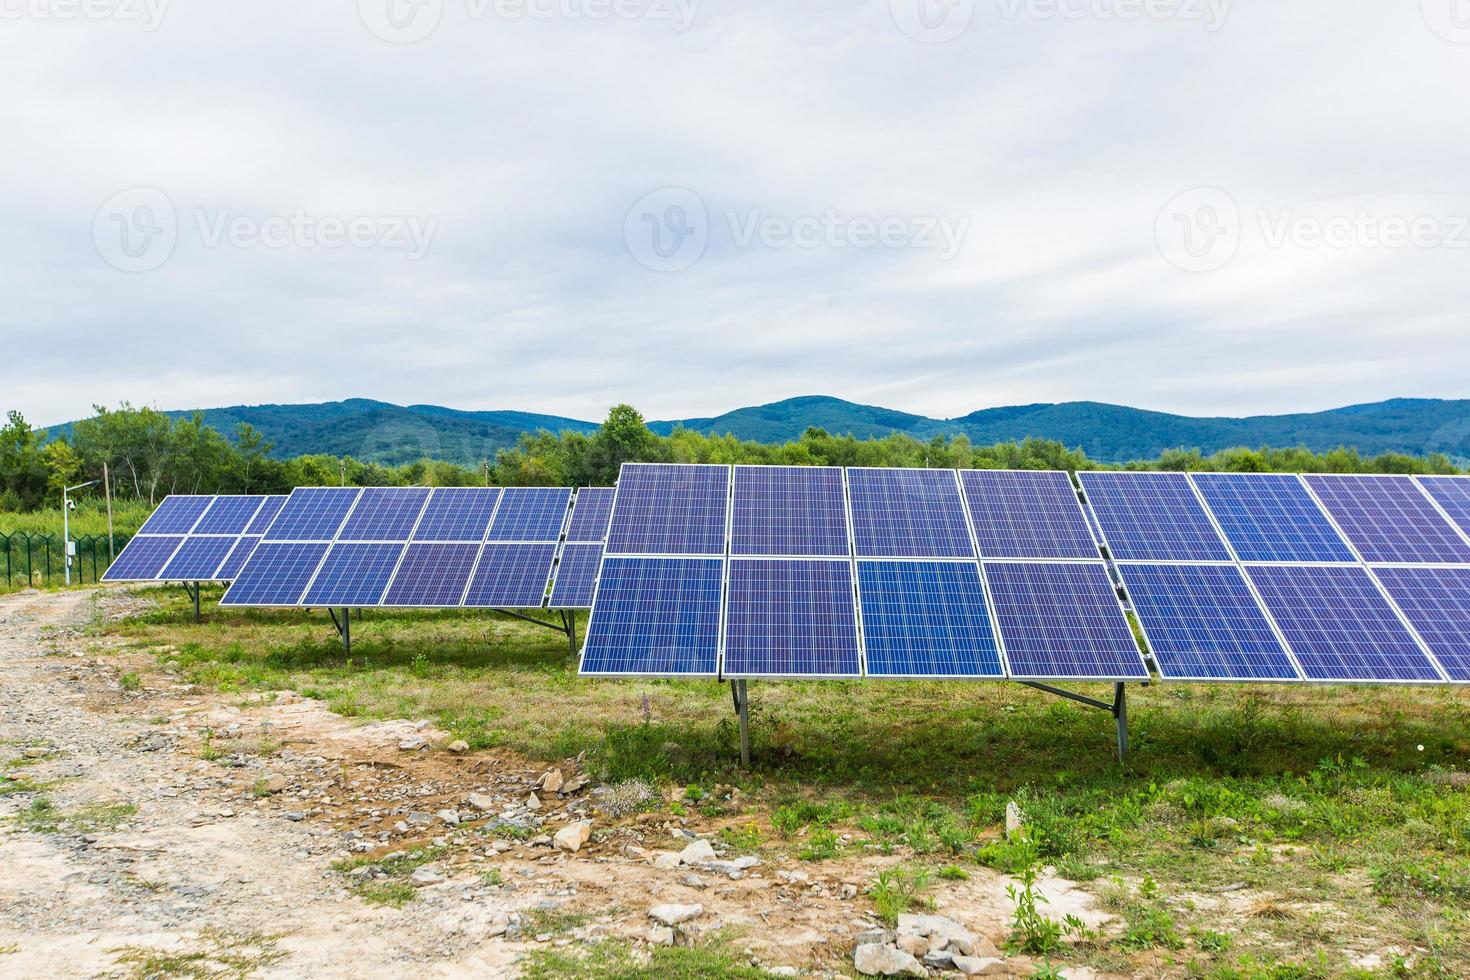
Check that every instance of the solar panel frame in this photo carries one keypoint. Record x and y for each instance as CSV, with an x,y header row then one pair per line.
x,y
1127,505
676,579
313,514
818,596
177,514
1022,515
144,557
229,515
432,575
504,576
882,630
234,562
1430,538
384,514
877,494
574,582
646,492
457,514
808,504
354,573
530,515
1271,517
198,558
591,514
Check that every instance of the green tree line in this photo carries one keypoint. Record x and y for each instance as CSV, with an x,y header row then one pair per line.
x,y
149,455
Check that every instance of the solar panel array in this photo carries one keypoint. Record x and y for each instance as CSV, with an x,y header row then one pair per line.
x,y
195,538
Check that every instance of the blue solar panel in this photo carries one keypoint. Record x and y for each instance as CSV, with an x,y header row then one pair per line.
x,y
1027,514
790,618
1152,517
1203,623
457,514
276,575
240,553
1453,494
143,558
530,514
176,515
312,514
1062,621
1339,625
198,559
789,510
576,576
590,514
656,616
902,513
266,515
1436,601
1271,517
229,515
1388,519
511,576
385,514
926,619
354,574
669,509
433,575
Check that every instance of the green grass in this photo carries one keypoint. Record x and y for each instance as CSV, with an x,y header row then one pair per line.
x,y
617,960
218,955
42,816
396,890
1318,797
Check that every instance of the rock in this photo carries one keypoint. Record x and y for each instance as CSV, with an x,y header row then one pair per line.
x,y
450,817
552,781
981,966
459,746
533,802
693,881
698,852
915,946
879,936
480,801
1014,824
955,936
574,784
941,960
672,915
847,891
783,971
295,816
272,784
412,744
37,752
571,837
667,861
885,961
661,936
425,876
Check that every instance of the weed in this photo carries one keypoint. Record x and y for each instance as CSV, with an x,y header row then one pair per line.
x,y
553,921
618,960
953,872
743,840
897,890
130,681
492,876
1010,854
223,955
208,751
821,845
1031,931
1212,942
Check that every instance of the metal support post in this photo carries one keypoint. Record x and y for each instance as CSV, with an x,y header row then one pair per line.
x,y
1120,714
741,694
197,617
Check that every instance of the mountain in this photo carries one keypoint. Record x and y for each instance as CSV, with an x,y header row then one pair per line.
x,y
386,433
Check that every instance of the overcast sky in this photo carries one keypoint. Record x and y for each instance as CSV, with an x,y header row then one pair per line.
x,y
554,205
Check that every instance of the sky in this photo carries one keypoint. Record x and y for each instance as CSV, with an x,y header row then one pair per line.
x,y
1195,206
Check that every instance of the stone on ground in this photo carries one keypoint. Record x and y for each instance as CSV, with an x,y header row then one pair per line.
x,y
571,837
697,852
886,961
981,966
552,781
672,915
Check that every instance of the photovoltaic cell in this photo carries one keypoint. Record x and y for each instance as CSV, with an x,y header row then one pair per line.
x,y
1152,517
511,576
789,510
1339,625
354,574
433,575
790,618
457,514
926,619
669,509
1203,623
312,514
530,514
576,576
1453,494
1271,517
384,514
143,558
1027,514
198,559
240,553
229,515
656,616
1062,621
266,515
590,514
1388,519
908,513
1436,601
176,515
275,575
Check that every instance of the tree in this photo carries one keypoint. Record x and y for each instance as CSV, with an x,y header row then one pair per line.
x,y
23,471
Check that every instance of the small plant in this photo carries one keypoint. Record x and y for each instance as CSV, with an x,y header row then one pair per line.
x,y
953,872
1010,855
260,789
897,890
1031,931
492,876
821,845
1045,971
130,681
1210,941
747,839
207,749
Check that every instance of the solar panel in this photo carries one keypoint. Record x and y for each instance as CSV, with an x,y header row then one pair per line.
x,y
143,558
312,514
1339,626
576,576
789,510
276,574
1388,519
240,553
655,617
791,618
1203,623
433,575
384,514
229,515
1452,493
1027,514
669,509
1062,621
198,559
1436,602
354,574
590,514
908,513
926,619
530,514
217,523
1271,517
457,514
266,515
511,576
176,515
1152,517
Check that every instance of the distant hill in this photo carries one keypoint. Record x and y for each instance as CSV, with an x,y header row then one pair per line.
x,y
385,433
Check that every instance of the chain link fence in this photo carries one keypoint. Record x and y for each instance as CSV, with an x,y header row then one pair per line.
x,y
28,559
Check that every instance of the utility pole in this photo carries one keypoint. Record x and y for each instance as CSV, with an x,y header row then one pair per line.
x,y
107,492
69,548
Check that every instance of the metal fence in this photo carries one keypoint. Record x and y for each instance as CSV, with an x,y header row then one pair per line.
x,y
40,559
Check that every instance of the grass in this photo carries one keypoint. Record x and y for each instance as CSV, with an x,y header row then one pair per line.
x,y
395,890
220,955
618,960
1309,797
42,816
898,890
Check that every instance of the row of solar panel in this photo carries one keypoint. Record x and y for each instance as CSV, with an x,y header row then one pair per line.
x,y
193,538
